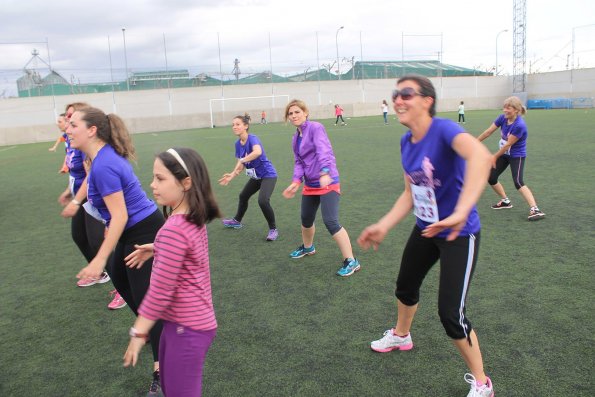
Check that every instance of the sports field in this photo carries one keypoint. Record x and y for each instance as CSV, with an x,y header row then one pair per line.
x,y
293,328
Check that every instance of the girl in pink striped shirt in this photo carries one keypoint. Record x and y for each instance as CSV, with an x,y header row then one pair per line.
x,y
180,290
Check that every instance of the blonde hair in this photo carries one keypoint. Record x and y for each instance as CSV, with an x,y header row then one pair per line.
x,y
296,102
515,103
76,106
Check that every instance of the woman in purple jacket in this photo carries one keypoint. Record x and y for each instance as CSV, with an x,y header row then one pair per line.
x,y
315,165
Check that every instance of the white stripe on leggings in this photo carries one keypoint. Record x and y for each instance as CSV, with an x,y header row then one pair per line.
x,y
466,284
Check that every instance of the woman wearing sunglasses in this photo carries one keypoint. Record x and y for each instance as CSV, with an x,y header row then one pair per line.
x,y
445,170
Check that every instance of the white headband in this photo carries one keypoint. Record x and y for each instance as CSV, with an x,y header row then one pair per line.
x,y
177,157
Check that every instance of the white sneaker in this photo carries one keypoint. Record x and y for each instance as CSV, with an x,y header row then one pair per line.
x,y
390,342
486,390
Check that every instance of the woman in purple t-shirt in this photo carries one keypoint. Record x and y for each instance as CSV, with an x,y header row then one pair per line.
x,y
445,173
262,175
512,151
131,218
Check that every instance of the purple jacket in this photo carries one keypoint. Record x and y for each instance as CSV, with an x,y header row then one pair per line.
x,y
314,154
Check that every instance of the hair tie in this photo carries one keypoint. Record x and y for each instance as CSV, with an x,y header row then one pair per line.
x,y
179,158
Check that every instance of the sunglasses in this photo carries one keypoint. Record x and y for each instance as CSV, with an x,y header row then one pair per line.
x,y
406,94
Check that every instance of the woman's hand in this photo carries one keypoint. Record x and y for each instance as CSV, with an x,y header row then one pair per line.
x,y
70,210
372,236
65,198
133,350
93,270
141,254
325,180
291,190
226,178
456,221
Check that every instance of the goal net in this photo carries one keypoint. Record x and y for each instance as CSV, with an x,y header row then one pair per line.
x,y
223,110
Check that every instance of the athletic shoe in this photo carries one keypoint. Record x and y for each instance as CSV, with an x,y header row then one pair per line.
x,y
350,266
390,342
302,251
479,390
535,214
104,278
87,282
232,223
117,302
273,235
155,388
502,204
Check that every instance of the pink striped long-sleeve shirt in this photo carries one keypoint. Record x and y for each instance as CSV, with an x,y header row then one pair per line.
x,y
180,289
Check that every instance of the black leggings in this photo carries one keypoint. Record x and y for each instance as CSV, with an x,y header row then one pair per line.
x,y
87,233
265,187
339,117
457,263
517,168
330,211
461,117
132,284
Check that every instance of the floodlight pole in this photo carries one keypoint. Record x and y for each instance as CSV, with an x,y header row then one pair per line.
x,y
125,59
337,46
498,35
318,70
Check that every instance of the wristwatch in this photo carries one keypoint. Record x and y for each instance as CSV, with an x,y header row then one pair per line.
x,y
135,334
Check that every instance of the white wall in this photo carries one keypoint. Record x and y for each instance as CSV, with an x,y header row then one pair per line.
x,y
26,120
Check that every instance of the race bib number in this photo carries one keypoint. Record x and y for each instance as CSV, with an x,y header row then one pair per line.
x,y
424,203
502,143
94,212
71,184
251,172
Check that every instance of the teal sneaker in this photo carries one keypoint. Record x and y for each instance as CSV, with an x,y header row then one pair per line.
x,y
350,266
302,251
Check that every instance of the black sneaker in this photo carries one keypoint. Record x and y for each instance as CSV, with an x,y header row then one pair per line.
x,y
155,388
502,204
535,214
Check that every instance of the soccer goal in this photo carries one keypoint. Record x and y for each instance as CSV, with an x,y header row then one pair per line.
x,y
222,110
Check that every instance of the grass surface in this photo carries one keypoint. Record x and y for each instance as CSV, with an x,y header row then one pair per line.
x,y
291,327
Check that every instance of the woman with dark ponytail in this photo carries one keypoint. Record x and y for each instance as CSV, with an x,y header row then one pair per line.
x,y
131,218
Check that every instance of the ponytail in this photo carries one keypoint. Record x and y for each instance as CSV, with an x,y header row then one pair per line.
x,y
111,130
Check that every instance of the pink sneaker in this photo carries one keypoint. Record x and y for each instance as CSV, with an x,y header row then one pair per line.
x,y
117,302
86,282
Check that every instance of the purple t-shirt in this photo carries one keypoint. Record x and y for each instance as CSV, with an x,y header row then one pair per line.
x,y
261,165
75,162
111,173
518,128
436,173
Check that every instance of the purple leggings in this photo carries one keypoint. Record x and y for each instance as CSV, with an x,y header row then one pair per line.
x,y
182,353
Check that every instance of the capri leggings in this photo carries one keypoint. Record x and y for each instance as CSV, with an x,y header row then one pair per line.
x,y
265,187
132,284
329,204
517,167
457,263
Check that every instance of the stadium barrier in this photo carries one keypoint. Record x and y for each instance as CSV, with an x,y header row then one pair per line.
x,y
560,103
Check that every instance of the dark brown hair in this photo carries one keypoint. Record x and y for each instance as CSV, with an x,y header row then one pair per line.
x,y
426,88
245,119
110,129
202,205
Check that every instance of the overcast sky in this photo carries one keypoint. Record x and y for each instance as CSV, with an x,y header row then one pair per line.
x,y
463,31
